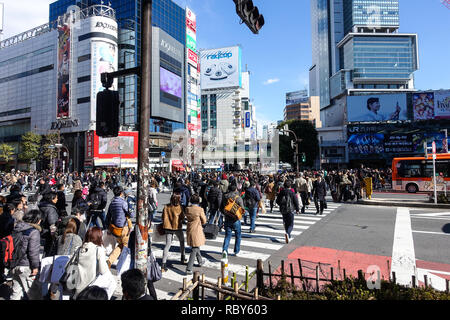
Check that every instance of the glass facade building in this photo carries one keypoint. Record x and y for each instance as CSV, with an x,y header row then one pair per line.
x,y
371,13
166,15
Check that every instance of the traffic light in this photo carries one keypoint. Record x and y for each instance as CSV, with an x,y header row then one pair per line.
x,y
107,123
292,144
303,157
249,14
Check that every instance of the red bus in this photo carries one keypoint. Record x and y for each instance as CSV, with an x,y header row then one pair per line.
x,y
414,174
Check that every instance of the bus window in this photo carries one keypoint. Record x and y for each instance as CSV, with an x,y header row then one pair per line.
x,y
443,166
410,169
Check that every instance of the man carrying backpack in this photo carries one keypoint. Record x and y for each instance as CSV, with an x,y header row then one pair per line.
x,y
288,202
251,199
97,203
232,224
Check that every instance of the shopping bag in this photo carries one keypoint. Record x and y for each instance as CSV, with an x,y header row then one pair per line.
x,y
107,282
46,269
124,261
153,269
109,242
58,268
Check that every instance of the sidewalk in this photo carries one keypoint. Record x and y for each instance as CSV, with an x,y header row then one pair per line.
x,y
398,202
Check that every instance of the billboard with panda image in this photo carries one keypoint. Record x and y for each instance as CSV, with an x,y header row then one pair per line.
x,y
221,68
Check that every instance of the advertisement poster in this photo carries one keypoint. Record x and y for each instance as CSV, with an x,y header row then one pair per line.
x,y
420,138
170,82
104,59
296,97
442,104
221,68
191,20
108,153
365,144
63,89
192,58
398,143
423,105
376,108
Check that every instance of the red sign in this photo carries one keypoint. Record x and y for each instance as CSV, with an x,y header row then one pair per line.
x,y
191,127
193,58
89,145
124,146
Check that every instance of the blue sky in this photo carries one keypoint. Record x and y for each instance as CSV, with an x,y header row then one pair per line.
x,y
281,53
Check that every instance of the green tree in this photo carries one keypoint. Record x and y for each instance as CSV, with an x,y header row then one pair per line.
x,y
305,131
49,153
30,147
6,152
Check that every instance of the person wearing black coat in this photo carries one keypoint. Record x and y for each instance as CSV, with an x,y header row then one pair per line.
x,y
50,216
288,215
214,202
319,192
61,203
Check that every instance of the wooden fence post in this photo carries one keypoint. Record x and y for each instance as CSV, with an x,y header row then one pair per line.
x,y
256,294
196,292
292,275
426,280
345,276
317,278
270,275
236,289
394,279
301,274
219,285
332,274
447,286
360,275
282,267
203,288
247,278
260,275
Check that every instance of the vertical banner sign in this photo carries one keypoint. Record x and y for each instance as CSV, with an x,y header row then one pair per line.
x,y
62,100
247,119
90,145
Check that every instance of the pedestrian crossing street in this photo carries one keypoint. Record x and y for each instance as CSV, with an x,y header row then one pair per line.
x,y
267,239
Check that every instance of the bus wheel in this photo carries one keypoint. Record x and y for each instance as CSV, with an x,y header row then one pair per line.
x,y
412,188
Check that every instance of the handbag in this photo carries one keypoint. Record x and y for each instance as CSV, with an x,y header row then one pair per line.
x,y
71,275
233,210
160,229
116,231
153,269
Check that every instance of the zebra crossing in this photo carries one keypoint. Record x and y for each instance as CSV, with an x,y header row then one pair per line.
x,y
267,239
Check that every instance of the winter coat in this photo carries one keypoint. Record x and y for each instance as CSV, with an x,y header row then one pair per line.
x,y
70,245
90,255
117,212
103,197
319,190
49,215
214,198
81,204
272,194
172,217
293,196
251,198
31,245
223,184
195,217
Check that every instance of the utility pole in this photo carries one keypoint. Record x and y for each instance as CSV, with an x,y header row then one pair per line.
x,y
141,227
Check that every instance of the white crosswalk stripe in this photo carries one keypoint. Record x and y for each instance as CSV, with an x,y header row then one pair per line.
x,y
266,240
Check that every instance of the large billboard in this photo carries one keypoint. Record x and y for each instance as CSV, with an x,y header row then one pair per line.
x,y
376,108
221,68
121,150
63,90
296,97
442,104
104,58
423,105
170,83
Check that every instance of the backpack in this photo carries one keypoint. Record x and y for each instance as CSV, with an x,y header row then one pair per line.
x,y
10,248
96,201
286,205
249,200
233,210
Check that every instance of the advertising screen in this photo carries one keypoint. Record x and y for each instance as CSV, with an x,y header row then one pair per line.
x,y
63,90
376,108
420,138
170,82
442,104
221,68
107,152
296,97
423,105
365,144
104,59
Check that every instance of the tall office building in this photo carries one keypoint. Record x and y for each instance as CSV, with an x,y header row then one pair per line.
x,y
171,58
357,50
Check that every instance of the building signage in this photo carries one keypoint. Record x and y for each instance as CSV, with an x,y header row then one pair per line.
x,y
221,68
377,108
90,144
61,124
105,25
247,120
442,104
191,43
423,105
191,20
192,58
168,48
63,76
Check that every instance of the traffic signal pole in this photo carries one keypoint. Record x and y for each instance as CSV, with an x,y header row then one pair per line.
x,y
141,227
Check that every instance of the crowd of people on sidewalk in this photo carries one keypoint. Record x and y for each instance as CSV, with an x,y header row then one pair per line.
x,y
80,231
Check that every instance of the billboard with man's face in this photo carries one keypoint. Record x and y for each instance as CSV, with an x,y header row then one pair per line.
x,y
221,68
377,108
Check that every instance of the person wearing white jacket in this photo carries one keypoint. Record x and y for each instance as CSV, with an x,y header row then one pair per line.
x,y
92,260
153,200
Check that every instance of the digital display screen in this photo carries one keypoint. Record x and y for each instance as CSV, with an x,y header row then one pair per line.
x,y
170,83
113,145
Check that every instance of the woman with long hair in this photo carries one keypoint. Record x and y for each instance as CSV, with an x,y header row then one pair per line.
x,y
173,217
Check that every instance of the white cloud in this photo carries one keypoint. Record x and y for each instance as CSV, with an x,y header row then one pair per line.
x,y
23,15
271,81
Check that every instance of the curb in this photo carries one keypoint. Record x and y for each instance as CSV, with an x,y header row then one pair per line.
x,y
404,204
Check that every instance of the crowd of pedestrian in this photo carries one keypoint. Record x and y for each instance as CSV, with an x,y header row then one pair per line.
x,y
77,230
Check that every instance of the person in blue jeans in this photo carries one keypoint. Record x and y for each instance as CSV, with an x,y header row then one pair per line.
x,y
231,224
251,199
